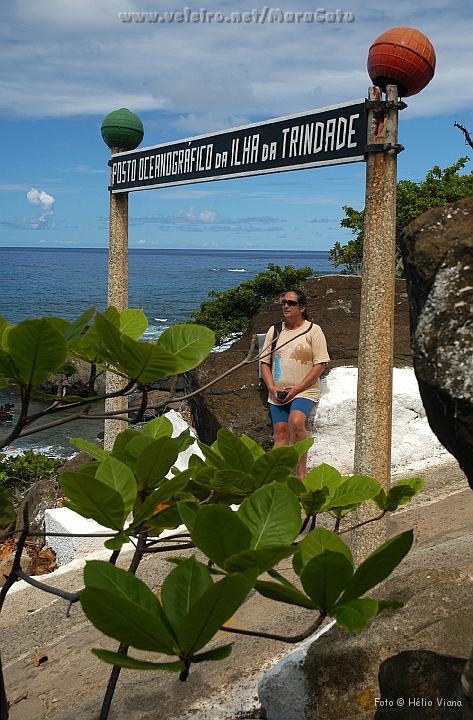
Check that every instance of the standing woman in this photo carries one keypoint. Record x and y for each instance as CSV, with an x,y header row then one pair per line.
x,y
292,378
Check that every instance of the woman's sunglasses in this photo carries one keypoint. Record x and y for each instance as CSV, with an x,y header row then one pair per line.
x,y
291,303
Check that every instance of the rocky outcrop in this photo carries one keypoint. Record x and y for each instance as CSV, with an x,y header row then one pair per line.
x,y
337,676
438,259
42,495
238,401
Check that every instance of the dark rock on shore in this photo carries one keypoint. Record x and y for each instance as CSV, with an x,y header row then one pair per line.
x,y
238,401
424,685
42,495
438,258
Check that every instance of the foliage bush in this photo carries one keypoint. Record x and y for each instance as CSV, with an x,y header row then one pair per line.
x,y
230,311
439,188
19,472
139,475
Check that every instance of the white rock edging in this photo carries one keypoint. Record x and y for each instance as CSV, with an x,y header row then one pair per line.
x,y
282,690
334,424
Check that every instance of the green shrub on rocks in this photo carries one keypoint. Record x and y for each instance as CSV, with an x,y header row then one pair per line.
x,y
19,472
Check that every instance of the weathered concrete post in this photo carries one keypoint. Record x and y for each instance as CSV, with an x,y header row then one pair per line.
x,y
118,297
122,130
375,357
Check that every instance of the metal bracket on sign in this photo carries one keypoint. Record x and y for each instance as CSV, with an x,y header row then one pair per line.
x,y
382,147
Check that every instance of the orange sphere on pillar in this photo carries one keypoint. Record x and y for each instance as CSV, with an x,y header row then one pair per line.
x,y
404,57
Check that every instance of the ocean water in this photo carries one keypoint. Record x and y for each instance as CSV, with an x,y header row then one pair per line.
x,y
167,284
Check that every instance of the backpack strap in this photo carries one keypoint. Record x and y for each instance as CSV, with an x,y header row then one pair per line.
x,y
277,327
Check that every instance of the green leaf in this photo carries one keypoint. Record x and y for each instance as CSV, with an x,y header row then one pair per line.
x,y
155,461
213,457
37,349
119,477
322,476
315,543
218,653
121,441
219,533
163,494
145,362
265,559
168,518
378,566
3,326
7,511
353,491
117,542
7,366
158,427
275,466
273,516
284,593
90,448
77,328
380,499
255,449
184,440
59,323
402,492
182,588
313,501
189,344
135,447
234,451
234,481
295,485
133,322
188,512
218,603
126,661
303,446
325,577
93,499
123,607
354,615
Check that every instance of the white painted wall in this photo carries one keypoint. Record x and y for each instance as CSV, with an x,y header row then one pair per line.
x,y
334,424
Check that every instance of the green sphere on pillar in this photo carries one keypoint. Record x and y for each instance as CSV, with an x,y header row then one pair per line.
x,y
122,129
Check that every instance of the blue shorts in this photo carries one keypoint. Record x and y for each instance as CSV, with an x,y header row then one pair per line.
x,y
280,413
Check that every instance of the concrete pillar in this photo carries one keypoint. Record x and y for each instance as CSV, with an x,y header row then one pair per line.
x,y
375,358
117,296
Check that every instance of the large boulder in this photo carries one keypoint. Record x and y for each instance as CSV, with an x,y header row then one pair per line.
x,y
336,677
424,685
238,401
438,259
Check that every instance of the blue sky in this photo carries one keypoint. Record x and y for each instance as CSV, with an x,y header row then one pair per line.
x,y
65,65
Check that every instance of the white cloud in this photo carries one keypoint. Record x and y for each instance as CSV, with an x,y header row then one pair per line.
x,y
45,202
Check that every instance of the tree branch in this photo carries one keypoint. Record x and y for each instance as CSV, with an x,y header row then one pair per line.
x,y
283,638
465,132
365,522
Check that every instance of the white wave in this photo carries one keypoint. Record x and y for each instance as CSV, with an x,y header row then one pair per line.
x,y
52,451
161,319
236,270
154,331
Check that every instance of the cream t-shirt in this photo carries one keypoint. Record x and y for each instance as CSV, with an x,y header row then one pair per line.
x,y
296,358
